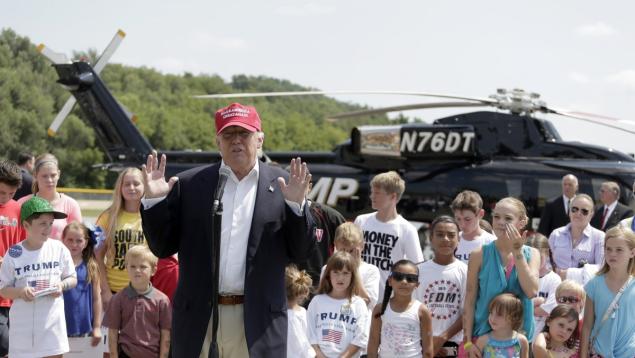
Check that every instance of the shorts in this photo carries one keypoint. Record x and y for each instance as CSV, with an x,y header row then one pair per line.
x,y
121,352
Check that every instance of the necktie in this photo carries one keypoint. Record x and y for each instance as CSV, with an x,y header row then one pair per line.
x,y
568,208
606,211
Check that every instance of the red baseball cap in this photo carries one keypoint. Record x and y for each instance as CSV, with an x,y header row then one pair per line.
x,y
237,115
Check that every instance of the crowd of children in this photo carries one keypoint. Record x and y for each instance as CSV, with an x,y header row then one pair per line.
x,y
481,295
54,270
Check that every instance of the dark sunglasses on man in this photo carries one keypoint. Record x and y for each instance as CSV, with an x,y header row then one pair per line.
x,y
585,212
399,276
568,299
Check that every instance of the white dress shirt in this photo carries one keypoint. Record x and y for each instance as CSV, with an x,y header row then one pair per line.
x,y
567,203
611,208
239,201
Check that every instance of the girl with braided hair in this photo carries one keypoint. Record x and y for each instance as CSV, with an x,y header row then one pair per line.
x,y
298,285
401,325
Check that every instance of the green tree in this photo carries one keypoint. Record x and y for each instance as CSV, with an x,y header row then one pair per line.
x,y
167,113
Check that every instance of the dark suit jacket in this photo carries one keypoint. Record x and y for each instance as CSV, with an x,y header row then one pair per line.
x,y
25,188
182,223
326,220
553,216
620,213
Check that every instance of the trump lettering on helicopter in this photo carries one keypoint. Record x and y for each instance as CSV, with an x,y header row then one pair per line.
x,y
328,190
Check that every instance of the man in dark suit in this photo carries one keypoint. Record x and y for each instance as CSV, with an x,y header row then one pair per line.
x,y
556,211
265,225
611,212
26,161
326,220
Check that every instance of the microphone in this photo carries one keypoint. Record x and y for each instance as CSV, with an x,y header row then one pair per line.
x,y
223,174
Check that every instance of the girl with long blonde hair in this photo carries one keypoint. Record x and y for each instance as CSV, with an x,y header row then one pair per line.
x,y
609,309
121,225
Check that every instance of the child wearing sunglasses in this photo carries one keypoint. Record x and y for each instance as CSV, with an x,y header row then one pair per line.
x,y
401,326
578,243
442,283
338,319
571,293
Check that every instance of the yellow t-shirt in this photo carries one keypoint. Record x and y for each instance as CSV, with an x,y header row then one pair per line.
x,y
128,233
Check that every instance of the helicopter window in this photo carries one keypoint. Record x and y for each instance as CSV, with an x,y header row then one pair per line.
x,y
547,189
596,184
514,187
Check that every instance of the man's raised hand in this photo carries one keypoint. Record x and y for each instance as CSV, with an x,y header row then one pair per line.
x,y
299,180
154,177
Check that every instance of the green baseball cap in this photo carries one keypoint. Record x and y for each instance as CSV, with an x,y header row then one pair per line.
x,y
37,205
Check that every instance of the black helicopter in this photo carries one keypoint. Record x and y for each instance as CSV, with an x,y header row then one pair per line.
x,y
494,153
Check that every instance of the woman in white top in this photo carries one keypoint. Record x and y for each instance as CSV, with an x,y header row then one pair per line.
x,y
578,243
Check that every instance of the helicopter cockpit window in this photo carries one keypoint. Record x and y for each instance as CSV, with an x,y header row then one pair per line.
x,y
547,189
596,183
514,187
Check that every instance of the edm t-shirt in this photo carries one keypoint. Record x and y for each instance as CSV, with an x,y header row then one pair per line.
x,y
442,289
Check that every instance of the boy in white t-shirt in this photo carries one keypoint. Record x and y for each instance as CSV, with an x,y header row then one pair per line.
x,y
33,274
388,237
468,212
348,238
442,287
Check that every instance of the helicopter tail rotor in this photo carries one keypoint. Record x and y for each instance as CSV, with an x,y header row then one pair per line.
x,y
59,58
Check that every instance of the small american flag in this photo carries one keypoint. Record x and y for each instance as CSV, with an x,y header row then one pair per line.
x,y
39,285
330,335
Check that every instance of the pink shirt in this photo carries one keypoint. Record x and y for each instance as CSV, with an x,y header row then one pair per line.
x,y
65,204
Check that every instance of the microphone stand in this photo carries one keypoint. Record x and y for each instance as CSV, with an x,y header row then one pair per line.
x,y
217,217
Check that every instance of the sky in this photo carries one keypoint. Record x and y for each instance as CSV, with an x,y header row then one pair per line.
x,y
577,55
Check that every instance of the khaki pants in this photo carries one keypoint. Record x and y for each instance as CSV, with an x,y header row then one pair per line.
x,y
231,333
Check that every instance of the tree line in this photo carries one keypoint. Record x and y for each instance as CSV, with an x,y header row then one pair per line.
x,y
167,113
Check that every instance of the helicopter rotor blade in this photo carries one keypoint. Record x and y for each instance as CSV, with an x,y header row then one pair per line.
x,y
54,57
312,93
611,122
99,66
61,116
406,107
109,51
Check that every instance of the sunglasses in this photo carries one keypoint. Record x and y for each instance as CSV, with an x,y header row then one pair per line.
x,y
410,278
568,299
575,209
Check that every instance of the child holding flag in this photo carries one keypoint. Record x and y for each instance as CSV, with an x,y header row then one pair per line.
x,y
33,274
